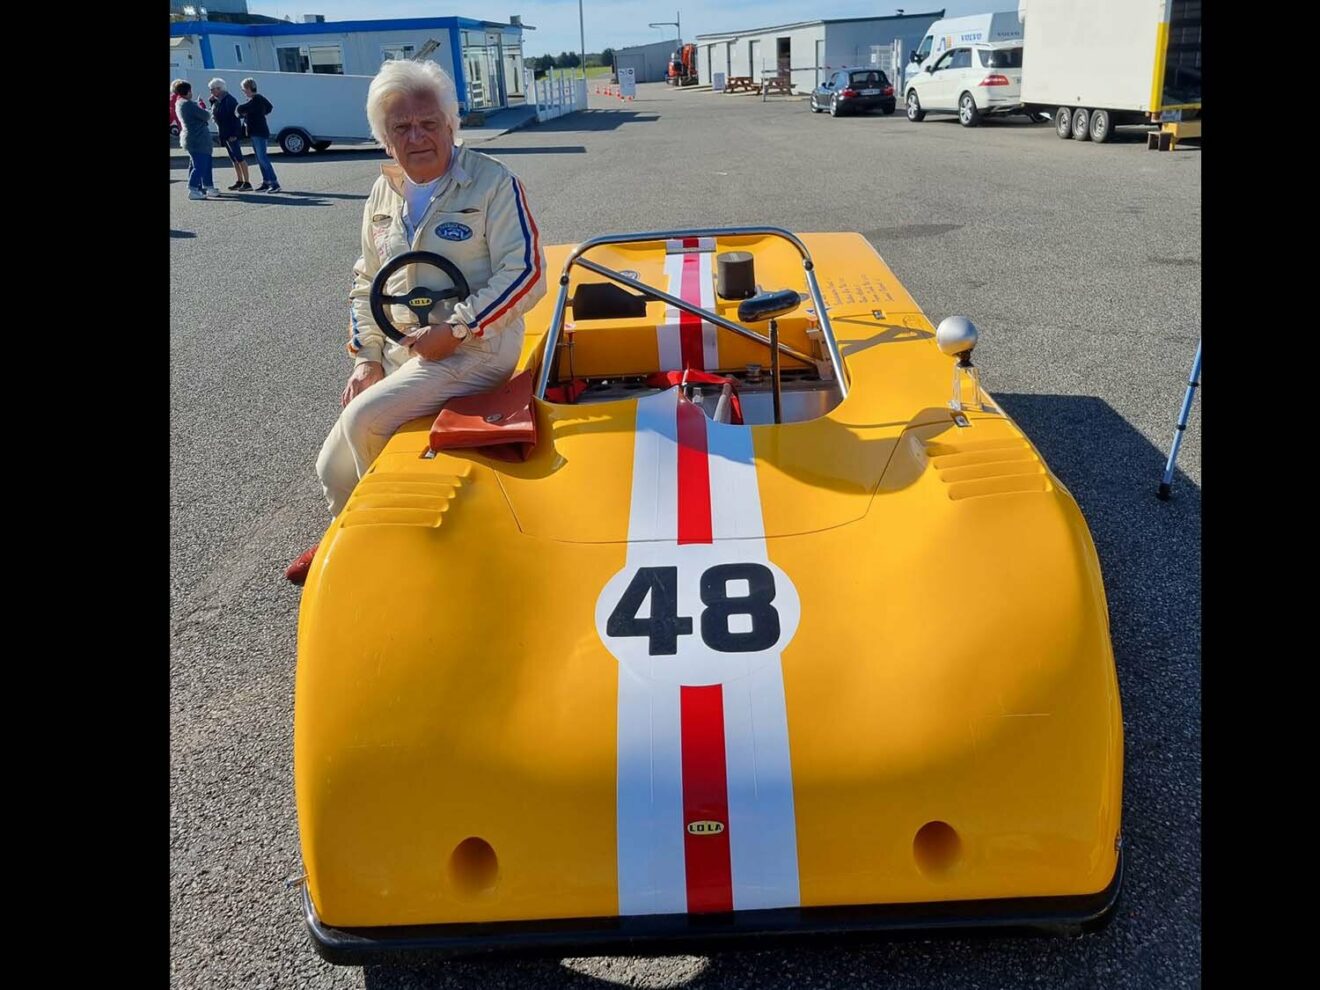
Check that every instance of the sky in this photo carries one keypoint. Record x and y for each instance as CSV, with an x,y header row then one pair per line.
x,y
615,23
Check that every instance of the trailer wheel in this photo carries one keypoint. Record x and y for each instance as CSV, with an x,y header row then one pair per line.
x,y
914,111
968,114
320,145
1063,122
1102,126
1081,122
295,142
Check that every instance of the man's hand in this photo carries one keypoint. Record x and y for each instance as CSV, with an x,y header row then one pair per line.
x,y
433,342
363,376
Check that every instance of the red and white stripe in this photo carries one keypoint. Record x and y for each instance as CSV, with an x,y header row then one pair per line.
x,y
684,340
702,735
679,245
527,280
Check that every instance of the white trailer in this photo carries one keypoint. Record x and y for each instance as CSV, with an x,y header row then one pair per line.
x,y
312,110
1097,65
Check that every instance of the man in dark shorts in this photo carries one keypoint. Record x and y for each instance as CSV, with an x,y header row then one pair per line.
x,y
224,110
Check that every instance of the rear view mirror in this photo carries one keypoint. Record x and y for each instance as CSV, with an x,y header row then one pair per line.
x,y
930,68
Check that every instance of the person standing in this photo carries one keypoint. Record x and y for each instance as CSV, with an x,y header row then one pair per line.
x,y
223,109
195,138
254,113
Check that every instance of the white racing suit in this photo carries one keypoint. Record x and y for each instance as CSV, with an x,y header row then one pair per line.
x,y
480,221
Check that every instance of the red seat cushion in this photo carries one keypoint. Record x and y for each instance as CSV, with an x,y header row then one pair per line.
x,y
501,422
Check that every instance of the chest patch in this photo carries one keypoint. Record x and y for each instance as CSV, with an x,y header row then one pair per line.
x,y
454,231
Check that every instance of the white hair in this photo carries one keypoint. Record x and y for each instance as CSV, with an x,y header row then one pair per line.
x,y
400,76
217,81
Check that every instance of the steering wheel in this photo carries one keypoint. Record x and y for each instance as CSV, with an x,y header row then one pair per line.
x,y
420,300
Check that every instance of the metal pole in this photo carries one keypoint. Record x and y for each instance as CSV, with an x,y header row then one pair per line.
x,y
1192,384
582,40
774,367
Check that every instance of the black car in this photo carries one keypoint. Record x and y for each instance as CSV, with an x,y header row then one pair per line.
x,y
853,91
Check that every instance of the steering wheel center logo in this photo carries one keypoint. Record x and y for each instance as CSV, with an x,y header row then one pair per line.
x,y
697,614
454,231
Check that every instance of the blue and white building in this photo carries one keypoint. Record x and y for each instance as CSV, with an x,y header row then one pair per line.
x,y
484,57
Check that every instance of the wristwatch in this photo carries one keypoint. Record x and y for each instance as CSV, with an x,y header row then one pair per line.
x,y
460,329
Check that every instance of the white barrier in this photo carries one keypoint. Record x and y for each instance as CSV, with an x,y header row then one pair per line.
x,y
557,93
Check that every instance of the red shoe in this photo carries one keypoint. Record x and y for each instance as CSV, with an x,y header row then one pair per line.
x,y
297,571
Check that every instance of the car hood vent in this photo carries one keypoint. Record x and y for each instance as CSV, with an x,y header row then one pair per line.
x,y
387,498
976,468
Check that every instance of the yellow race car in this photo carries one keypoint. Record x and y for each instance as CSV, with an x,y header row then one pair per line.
x,y
742,611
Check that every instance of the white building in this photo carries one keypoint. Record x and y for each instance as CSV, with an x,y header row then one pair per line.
x,y
484,57
807,50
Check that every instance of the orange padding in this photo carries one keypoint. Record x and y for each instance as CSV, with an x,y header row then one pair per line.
x,y
501,422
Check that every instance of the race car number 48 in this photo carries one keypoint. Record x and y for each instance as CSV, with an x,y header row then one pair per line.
x,y
699,619
720,628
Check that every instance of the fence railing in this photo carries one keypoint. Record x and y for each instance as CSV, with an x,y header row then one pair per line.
x,y
556,93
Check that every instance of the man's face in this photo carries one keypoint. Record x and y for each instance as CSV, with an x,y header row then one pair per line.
x,y
417,136
215,92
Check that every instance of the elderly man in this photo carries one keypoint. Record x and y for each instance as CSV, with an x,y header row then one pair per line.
x,y
224,109
452,201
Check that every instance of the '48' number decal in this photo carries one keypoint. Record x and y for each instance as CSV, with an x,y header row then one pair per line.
x,y
730,623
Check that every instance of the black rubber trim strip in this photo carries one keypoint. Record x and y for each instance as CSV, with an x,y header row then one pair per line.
x,y
669,933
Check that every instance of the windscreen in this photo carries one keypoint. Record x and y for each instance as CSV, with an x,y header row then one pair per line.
x,y
868,80
1000,58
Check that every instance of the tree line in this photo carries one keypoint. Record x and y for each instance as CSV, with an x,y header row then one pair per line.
x,y
570,60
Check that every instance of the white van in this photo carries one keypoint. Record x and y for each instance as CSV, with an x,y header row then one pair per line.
x,y
311,110
1002,25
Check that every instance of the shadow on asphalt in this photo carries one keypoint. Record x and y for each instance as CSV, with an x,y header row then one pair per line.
x,y
801,961
286,197
596,120
1122,134
179,160
182,233
568,149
